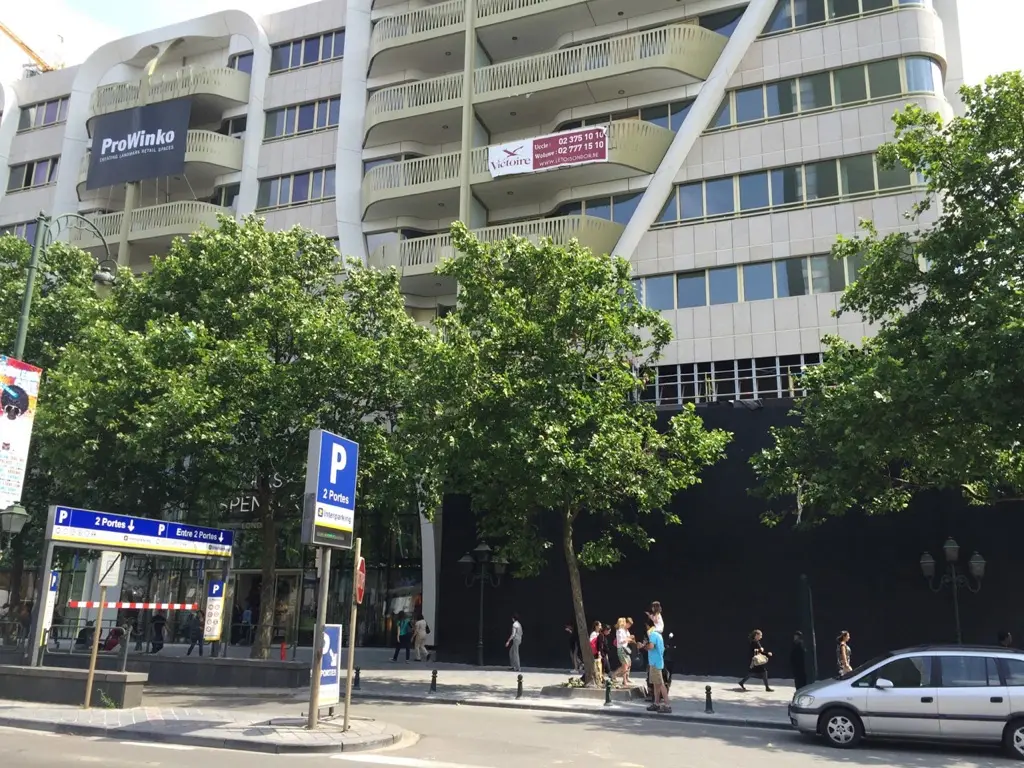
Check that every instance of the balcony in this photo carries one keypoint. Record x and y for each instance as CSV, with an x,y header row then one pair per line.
x,y
207,155
532,90
426,38
428,187
416,259
152,229
213,90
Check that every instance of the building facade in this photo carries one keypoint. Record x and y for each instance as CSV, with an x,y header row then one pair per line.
x,y
720,146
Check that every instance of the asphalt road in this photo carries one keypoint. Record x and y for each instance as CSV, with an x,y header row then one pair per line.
x,y
471,737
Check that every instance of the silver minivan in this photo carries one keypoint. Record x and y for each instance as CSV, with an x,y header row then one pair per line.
x,y
957,693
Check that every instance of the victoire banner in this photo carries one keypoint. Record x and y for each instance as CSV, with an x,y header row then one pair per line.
x,y
140,143
19,391
556,150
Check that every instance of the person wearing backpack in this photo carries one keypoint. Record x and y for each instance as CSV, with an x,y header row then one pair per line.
x,y
419,638
403,635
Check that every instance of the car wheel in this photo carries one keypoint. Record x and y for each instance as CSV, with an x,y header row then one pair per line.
x,y
841,728
1013,739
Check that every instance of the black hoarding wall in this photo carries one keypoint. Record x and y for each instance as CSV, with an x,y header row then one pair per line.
x,y
721,573
141,143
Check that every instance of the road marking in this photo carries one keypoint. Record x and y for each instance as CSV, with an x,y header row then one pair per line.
x,y
154,745
400,762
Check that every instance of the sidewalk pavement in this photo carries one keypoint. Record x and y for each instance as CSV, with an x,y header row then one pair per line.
x,y
491,687
216,728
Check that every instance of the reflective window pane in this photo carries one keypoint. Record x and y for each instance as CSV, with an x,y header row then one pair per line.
x,y
280,57
720,198
678,112
851,86
893,178
781,98
749,104
913,672
41,173
691,201
722,285
876,5
50,115
884,78
658,291
754,191
657,115
815,91
920,73
853,267
781,18
670,212
757,282
300,188
826,274
335,112
723,117
311,50
692,289
329,182
791,277
821,180
787,186
601,207
838,9
306,115
808,12
858,174
623,207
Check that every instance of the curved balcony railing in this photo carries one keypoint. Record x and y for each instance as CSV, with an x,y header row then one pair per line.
x,y
207,147
224,82
169,219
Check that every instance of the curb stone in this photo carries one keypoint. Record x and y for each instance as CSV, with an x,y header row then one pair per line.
x,y
614,711
240,745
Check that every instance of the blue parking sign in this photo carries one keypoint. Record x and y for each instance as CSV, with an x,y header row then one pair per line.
x,y
332,467
330,666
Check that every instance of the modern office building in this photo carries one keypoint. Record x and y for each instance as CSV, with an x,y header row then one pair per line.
x,y
721,146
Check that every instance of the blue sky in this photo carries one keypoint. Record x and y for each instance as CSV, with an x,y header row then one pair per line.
x,y
68,30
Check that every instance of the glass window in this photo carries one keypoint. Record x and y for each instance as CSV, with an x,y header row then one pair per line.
x,y
659,292
858,174
601,207
691,201
815,91
791,277
876,5
329,174
913,672
16,179
749,104
280,57
318,184
921,75
826,274
267,195
821,180
724,22
574,208
787,185
808,12
40,173
657,115
853,267
678,111
850,85
241,61
1014,669
334,112
968,672
623,207
781,18
307,114
723,117
300,188
838,9
781,98
50,112
720,198
692,289
754,191
757,282
722,285
893,178
311,50
339,44
670,212
884,78
274,124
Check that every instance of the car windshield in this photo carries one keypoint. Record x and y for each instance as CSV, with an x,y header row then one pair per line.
x,y
863,667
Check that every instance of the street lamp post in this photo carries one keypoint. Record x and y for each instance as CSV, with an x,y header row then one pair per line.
x,y
12,520
480,566
953,577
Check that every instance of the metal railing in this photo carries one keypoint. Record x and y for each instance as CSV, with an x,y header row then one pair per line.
x,y
180,218
230,83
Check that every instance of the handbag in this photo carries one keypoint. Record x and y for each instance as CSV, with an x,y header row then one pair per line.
x,y
759,660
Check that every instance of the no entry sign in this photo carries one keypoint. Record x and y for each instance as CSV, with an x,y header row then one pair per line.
x,y
361,581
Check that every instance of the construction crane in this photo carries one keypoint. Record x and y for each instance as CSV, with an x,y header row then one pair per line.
x,y
36,58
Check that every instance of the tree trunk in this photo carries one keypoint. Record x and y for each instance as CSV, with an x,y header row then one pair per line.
x,y
589,665
261,648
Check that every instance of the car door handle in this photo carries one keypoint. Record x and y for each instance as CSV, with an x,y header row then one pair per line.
x,y
996,699
927,699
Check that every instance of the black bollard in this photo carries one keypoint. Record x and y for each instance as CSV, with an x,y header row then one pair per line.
x,y
519,687
433,681
355,681
608,692
708,709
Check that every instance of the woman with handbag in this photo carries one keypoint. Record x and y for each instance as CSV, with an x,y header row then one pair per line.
x,y
758,661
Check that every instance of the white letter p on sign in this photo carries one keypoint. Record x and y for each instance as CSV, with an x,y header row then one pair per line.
x,y
338,461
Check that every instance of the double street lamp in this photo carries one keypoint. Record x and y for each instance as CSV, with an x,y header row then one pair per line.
x,y
953,577
480,566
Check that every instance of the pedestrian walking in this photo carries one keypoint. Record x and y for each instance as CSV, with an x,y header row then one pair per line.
x,y
419,638
844,653
195,633
758,664
515,639
575,659
605,644
403,635
623,639
798,660
656,669
595,649
158,624
657,619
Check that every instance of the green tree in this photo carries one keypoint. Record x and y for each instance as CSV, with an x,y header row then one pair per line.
x,y
536,390
211,369
64,303
934,400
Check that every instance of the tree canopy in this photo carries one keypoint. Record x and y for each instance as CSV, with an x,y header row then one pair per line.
x,y
935,400
536,388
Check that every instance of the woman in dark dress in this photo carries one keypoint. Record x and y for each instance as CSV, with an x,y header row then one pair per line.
x,y
758,661
574,646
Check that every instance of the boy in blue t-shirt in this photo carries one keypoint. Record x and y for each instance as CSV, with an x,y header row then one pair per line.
x,y
656,665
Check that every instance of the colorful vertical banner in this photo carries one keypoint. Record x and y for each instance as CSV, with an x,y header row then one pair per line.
x,y
19,393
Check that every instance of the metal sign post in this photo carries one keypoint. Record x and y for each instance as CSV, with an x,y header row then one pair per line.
x,y
357,597
318,646
108,569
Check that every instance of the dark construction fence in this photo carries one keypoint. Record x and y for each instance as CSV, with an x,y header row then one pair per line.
x,y
722,573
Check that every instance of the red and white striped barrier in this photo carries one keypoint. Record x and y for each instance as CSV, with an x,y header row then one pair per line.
x,y
138,606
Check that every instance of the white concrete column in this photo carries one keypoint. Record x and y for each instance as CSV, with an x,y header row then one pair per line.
x,y
430,573
704,108
9,116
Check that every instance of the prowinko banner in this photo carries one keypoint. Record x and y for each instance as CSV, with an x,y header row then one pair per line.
x,y
140,143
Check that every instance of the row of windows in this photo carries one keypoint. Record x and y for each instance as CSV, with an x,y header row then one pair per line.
x,y
296,54
37,173
793,14
296,188
303,118
234,126
780,188
796,95
761,378
797,276
25,229
44,113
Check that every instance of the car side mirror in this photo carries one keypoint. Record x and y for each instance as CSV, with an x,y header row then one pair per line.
x,y
883,685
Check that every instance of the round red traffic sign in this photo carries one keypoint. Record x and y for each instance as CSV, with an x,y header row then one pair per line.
x,y
361,581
